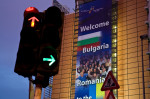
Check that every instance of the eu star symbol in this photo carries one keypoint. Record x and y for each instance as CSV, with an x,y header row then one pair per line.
x,y
51,60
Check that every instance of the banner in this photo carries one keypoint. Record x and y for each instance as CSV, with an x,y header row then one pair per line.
x,y
94,49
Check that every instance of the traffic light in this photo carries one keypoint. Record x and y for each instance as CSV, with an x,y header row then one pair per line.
x,y
50,42
39,48
29,42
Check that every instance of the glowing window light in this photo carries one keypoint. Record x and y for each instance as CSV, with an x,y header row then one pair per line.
x,y
114,40
114,54
114,27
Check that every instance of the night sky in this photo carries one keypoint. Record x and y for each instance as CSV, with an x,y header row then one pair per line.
x,y
13,86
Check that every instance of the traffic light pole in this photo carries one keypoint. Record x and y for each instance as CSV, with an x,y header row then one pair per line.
x,y
38,91
29,88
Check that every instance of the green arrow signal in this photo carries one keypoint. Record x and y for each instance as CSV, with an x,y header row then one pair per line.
x,y
51,60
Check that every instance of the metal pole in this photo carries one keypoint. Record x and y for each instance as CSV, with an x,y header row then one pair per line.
x,y
29,88
38,91
30,78
143,68
149,31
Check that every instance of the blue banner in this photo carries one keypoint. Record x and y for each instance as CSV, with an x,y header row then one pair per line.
x,y
94,49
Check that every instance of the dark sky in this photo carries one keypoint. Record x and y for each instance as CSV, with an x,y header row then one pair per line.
x,y
13,86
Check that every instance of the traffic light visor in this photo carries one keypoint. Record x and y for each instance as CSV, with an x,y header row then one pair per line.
x,y
30,10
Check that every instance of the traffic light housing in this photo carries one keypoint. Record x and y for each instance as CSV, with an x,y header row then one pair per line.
x,y
53,16
29,41
39,47
50,42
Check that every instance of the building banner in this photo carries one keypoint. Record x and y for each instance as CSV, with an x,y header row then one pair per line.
x,y
94,49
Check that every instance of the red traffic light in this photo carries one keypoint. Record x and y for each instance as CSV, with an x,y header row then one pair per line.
x,y
33,19
30,10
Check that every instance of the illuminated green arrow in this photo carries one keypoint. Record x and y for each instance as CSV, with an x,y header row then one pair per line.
x,y
51,60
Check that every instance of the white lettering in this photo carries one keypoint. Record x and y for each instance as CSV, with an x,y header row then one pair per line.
x,y
96,48
92,27
84,50
88,82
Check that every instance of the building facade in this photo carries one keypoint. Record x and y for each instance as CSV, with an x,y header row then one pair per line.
x,y
131,18
131,25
